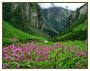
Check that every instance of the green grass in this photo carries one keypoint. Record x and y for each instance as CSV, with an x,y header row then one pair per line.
x,y
70,59
10,32
77,43
81,27
64,59
78,33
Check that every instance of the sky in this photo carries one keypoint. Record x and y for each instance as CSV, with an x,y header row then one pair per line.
x,y
71,6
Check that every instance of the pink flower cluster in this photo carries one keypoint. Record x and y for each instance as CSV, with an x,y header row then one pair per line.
x,y
81,53
76,51
30,52
13,39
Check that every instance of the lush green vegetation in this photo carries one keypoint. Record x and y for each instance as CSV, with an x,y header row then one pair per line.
x,y
74,23
43,38
78,31
11,32
69,54
54,19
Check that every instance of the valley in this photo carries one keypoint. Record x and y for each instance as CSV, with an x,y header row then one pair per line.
x,y
54,37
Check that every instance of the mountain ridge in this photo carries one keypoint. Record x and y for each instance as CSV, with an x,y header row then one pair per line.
x,y
79,19
55,15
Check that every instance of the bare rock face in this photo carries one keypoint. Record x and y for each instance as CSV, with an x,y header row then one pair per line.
x,y
83,10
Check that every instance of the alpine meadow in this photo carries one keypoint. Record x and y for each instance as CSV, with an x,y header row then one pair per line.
x,y
44,35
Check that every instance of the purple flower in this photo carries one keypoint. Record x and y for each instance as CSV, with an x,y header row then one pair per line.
x,y
5,50
3,66
39,53
28,54
45,48
12,46
21,56
13,39
78,54
16,57
7,58
37,59
45,53
13,51
58,44
16,60
18,50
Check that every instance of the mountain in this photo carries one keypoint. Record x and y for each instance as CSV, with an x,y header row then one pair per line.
x,y
24,16
75,15
54,19
76,26
22,21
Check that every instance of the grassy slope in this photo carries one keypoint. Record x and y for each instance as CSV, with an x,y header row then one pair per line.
x,y
10,32
76,32
77,43
80,44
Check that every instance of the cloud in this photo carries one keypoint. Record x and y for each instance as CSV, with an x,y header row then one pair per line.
x,y
72,6
45,5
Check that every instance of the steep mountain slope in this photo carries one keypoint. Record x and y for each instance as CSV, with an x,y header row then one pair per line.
x,y
54,19
78,33
76,15
24,16
76,26
11,32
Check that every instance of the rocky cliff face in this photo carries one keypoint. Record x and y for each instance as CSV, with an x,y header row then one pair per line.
x,y
23,15
83,9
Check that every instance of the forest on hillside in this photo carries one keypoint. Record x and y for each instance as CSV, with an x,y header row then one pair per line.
x,y
38,37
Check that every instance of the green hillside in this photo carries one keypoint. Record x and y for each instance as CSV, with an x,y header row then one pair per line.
x,y
25,20
11,32
78,33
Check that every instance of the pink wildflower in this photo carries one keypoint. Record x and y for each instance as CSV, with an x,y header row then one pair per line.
x,y
39,53
8,58
3,66
37,59
13,39
58,44
21,56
